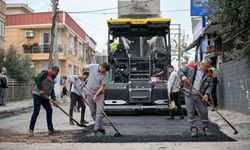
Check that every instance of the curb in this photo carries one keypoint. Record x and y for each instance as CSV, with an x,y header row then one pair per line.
x,y
15,111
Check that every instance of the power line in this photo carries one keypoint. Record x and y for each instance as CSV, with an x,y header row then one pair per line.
x,y
97,45
108,13
100,13
67,36
91,25
176,10
105,9
60,21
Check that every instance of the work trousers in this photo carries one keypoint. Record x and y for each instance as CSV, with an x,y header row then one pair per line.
x,y
38,101
73,99
192,102
95,109
2,93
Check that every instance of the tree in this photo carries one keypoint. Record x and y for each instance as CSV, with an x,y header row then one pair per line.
x,y
28,72
234,18
2,56
18,65
183,45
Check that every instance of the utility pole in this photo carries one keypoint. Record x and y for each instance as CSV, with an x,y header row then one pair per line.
x,y
53,55
179,45
86,52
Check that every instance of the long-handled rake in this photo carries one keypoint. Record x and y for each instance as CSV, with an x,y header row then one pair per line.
x,y
117,134
78,124
235,131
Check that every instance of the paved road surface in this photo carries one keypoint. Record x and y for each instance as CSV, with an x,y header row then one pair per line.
x,y
133,128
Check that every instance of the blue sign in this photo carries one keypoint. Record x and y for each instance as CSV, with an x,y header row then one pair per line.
x,y
198,8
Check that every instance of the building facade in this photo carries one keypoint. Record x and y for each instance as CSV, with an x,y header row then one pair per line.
x,y
18,8
30,33
2,20
101,57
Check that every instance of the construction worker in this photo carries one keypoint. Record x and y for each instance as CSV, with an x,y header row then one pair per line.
x,y
78,84
44,87
3,85
98,77
197,80
174,91
113,45
215,82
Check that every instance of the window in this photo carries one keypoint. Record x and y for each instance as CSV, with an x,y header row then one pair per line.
x,y
71,44
45,41
1,28
211,39
46,38
70,70
75,70
80,50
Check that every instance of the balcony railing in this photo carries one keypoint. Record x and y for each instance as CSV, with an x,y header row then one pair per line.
x,y
43,48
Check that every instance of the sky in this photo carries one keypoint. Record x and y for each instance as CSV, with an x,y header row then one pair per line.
x,y
95,23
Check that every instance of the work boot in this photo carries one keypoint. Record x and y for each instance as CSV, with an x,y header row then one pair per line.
x,y
205,132
70,118
194,132
214,109
53,132
103,131
84,122
71,123
170,118
99,132
31,133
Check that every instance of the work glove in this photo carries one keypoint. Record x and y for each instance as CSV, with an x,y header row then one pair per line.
x,y
171,105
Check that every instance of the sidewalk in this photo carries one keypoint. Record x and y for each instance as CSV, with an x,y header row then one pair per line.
x,y
16,107
239,120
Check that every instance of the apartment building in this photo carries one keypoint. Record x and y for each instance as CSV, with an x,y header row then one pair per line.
x,y
30,33
2,20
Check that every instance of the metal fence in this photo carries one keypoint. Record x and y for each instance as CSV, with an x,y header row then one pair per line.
x,y
42,48
17,90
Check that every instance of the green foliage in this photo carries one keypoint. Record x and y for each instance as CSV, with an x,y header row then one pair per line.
x,y
234,18
183,45
2,56
18,65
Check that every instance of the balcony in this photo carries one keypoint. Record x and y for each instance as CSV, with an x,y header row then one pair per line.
x,y
42,48
40,52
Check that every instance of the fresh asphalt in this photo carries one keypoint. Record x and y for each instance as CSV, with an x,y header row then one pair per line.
x,y
135,128
149,129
